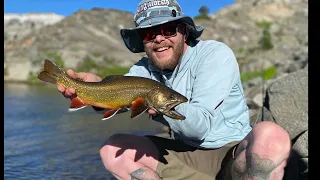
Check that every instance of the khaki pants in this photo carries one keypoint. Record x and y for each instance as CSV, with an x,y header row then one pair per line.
x,y
181,161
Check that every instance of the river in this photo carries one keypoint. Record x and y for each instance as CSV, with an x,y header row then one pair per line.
x,y
42,140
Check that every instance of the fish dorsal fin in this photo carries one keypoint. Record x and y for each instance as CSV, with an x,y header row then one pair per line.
x,y
111,77
138,107
110,113
77,104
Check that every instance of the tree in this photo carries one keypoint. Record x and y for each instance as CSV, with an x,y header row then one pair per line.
x,y
204,10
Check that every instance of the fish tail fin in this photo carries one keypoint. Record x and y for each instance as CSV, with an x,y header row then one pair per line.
x,y
50,72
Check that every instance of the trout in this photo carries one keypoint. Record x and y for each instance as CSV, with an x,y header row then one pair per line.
x,y
117,92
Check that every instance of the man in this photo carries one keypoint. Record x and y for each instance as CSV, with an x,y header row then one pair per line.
x,y
215,141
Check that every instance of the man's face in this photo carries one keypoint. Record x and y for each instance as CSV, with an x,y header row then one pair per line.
x,y
164,45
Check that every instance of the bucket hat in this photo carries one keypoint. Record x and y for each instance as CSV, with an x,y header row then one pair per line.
x,y
151,13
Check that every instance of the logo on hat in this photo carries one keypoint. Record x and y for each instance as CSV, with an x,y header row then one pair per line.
x,y
145,6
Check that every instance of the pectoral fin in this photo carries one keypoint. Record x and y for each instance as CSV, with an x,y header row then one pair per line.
x,y
110,113
77,104
138,107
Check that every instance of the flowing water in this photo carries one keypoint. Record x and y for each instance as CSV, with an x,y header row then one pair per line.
x,y
42,140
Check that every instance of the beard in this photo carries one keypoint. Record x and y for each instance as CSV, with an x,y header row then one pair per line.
x,y
171,63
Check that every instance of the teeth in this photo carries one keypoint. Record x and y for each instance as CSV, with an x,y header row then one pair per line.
x,y
162,48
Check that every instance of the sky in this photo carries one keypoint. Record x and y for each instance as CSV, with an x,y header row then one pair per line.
x,y
67,7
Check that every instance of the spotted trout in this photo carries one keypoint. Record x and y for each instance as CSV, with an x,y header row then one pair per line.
x,y
117,92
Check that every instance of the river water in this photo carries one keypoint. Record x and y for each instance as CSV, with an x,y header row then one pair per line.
x,y
42,140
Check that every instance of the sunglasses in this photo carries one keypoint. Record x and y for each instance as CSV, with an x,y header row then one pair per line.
x,y
166,30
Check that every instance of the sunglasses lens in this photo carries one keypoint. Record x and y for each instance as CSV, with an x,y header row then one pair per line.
x,y
149,34
169,31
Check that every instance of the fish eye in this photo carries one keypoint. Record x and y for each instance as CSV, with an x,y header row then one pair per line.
x,y
171,96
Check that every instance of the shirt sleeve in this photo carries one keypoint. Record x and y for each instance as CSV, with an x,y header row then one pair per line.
x,y
215,75
140,69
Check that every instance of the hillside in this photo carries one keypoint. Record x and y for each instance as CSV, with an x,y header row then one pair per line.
x,y
94,34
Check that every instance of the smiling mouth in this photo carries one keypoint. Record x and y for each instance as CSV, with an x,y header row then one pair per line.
x,y
161,49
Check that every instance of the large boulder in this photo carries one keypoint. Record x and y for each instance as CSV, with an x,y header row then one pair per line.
x,y
287,100
287,105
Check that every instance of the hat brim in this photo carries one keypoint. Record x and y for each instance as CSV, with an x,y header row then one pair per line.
x,y
134,43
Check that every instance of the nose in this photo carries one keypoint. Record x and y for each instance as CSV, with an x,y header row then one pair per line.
x,y
159,38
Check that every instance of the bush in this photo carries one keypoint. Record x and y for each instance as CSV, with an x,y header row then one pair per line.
x,y
267,74
265,41
56,58
203,13
101,70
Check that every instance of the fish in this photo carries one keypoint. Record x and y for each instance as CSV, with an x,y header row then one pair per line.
x,y
117,93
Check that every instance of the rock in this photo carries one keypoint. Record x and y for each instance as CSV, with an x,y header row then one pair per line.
x,y
261,114
287,100
297,168
301,145
17,26
18,72
255,81
303,166
258,100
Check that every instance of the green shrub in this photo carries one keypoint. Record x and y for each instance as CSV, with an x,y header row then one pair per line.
x,y
56,58
33,78
113,70
203,13
265,40
241,50
103,70
266,74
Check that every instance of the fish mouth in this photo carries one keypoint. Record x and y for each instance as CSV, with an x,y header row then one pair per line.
x,y
170,111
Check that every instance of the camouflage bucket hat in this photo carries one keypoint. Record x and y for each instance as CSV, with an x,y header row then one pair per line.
x,y
152,13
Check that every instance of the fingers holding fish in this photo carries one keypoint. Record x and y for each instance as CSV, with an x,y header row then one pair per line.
x,y
84,76
72,74
61,88
88,77
67,92
152,111
70,92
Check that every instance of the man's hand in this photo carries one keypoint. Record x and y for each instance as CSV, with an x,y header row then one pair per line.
x,y
152,112
87,77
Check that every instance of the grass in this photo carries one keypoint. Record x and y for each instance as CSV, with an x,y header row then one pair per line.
x,y
113,70
33,78
56,58
88,65
267,74
106,69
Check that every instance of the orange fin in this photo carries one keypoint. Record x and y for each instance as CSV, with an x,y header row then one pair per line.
x,y
138,107
77,104
110,113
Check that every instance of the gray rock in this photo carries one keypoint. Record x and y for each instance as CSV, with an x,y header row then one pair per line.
x,y
259,115
266,115
301,145
255,81
287,100
258,99
297,168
